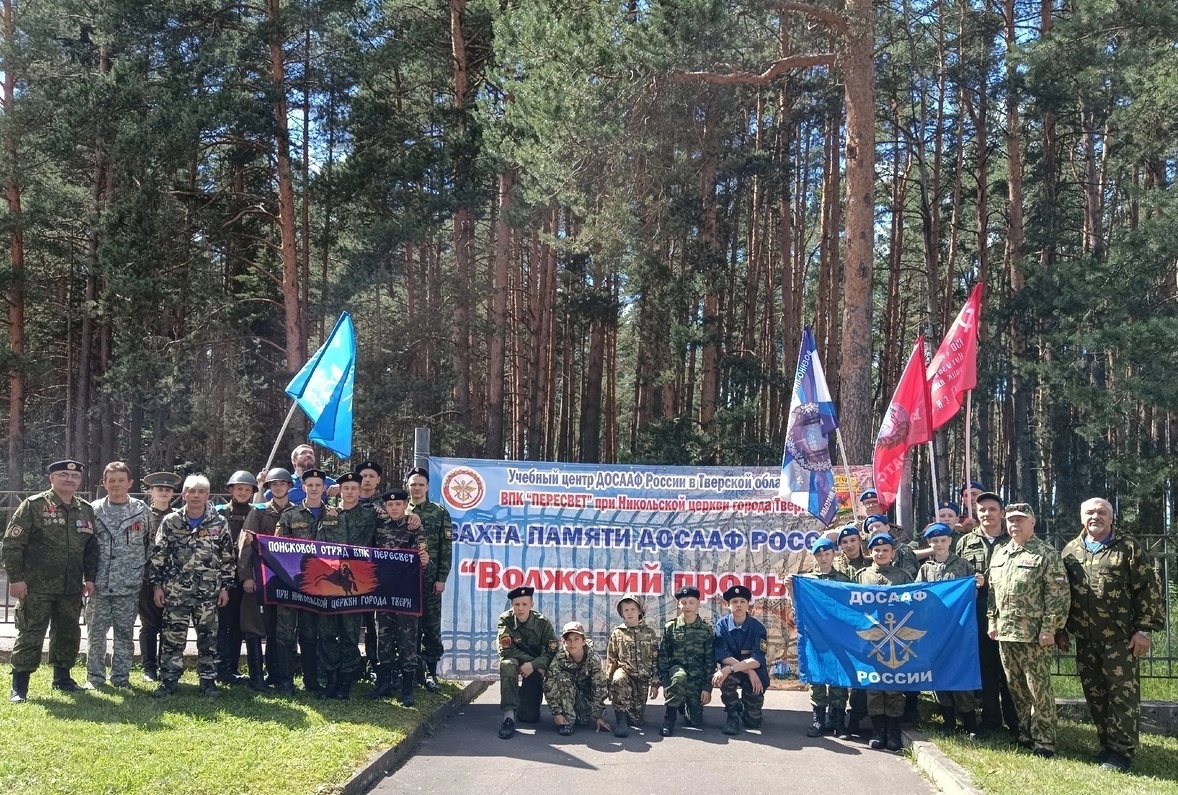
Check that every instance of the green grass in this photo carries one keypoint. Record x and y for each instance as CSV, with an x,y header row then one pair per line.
x,y
1151,689
115,741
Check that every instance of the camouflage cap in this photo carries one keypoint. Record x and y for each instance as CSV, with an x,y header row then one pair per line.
x,y
573,628
1020,509
630,598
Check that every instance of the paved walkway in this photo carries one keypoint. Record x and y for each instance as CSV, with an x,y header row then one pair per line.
x,y
466,756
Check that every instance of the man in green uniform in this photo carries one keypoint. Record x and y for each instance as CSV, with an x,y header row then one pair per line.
x,y
1027,605
438,534
576,685
161,488
527,644
397,634
885,707
52,560
1116,604
686,662
259,621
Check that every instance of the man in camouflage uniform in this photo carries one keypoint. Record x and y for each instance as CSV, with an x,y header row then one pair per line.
x,y
851,558
978,547
631,654
370,473
885,707
122,526
1116,605
242,486
353,524
828,702
396,633
740,645
52,559
576,685
686,662
527,643
437,531
192,568
161,488
957,706
1028,603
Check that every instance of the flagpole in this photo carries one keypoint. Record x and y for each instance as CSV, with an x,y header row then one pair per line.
x,y
851,487
968,421
932,457
274,450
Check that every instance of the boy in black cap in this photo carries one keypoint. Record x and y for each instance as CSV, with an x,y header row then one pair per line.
x,y
438,534
740,645
162,487
686,661
396,634
527,644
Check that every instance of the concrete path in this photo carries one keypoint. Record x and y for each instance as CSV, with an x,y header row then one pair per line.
x,y
466,756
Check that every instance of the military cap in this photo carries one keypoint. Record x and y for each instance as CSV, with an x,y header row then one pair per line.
x,y
881,538
869,494
937,529
242,478
517,593
973,484
990,495
950,505
631,598
68,465
573,628
738,592
277,474
418,471
1020,509
823,544
167,480
395,494
375,467
314,473
847,531
874,518
686,591
349,477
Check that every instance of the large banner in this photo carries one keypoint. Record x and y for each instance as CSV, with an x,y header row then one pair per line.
x,y
337,578
902,637
584,535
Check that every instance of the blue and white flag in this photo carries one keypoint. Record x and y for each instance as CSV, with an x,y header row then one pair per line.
x,y
323,388
807,478
901,637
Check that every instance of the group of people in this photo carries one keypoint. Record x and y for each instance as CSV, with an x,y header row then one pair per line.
x,y
191,563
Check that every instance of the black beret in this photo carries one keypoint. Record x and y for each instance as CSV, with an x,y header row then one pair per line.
x,y
349,477
375,467
68,465
990,495
314,473
523,590
418,471
395,494
737,592
687,590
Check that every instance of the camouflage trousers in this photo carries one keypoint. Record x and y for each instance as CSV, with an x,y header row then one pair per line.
x,y
746,703
566,696
628,695
430,625
676,695
1028,675
523,698
885,702
963,702
103,613
396,643
57,613
174,634
828,697
339,644
1109,675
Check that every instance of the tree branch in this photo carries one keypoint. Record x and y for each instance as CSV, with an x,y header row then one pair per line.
x,y
831,19
750,78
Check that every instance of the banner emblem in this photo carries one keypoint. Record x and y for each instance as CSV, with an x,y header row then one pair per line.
x,y
893,636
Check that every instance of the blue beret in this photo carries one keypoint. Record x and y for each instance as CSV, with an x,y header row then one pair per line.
x,y
973,484
881,538
949,504
937,529
848,530
870,520
824,543
868,493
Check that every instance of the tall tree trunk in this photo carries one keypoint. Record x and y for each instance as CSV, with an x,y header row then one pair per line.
x,y
463,224
711,331
16,262
497,344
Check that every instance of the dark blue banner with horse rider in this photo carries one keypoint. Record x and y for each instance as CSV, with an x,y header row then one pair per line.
x,y
337,578
900,637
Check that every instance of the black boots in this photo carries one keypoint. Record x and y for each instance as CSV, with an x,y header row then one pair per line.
x,y
732,726
310,659
949,717
407,684
63,681
384,683
621,725
836,723
893,739
332,684
343,688
816,727
879,732
668,727
431,677
282,668
253,661
208,688
20,687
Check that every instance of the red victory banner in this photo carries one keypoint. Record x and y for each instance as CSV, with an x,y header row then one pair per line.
x,y
906,424
954,369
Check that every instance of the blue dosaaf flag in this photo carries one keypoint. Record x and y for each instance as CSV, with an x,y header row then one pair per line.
x,y
323,388
807,479
902,637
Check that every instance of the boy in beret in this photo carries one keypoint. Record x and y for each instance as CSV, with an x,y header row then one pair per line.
x,y
630,658
829,702
903,556
740,644
437,531
851,556
396,634
576,685
161,488
686,661
527,644
885,707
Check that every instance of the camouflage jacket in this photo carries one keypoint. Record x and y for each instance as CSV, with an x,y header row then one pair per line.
x,y
1028,591
955,567
50,545
532,641
355,526
297,521
121,534
397,535
439,534
192,565
976,547
261,521
882,575
235,514
1115,591
850,567
834,575
688,645
905,559
568,676
633,649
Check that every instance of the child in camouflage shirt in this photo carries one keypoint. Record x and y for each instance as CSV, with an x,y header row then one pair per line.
x,y
576,685
828,701
630,657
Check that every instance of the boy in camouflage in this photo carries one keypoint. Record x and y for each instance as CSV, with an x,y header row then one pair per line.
x,y
829,702
685,662
396,634
884,706
576,685
527,644
630,657
850,559
957,706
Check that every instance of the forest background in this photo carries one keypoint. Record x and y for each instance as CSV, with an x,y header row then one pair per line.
x,y
592,230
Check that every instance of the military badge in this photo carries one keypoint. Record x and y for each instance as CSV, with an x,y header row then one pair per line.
x,y
552,645
764,645
504,641
15,531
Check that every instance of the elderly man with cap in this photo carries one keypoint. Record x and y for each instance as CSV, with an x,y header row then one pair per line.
x,y
527,643
828,701
242,486
161,488
576,685
739,646
885,707
396,633
51,557
437,529
1117,603
1027,604
259,621
686,662
630,657
978,547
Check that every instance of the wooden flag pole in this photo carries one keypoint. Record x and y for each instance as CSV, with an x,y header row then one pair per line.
x,y
852,487
274,450
968,422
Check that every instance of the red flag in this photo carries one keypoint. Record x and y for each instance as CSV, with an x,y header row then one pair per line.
x,y
906,424
954,369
